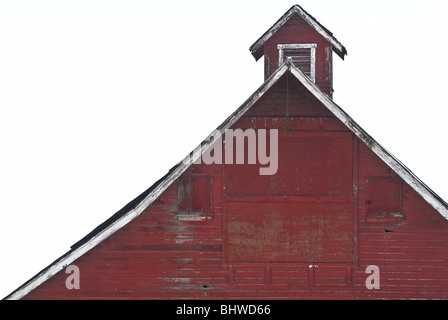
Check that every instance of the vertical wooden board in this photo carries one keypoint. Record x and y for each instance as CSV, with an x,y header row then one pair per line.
x,y
288,232
183,195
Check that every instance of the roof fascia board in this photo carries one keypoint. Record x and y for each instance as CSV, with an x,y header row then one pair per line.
x,y
72,255
268,34
380,151
337,46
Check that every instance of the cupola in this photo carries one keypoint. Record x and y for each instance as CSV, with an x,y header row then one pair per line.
x,y
301,38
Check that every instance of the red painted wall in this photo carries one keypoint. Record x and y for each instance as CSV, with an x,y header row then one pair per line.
x,y
315,224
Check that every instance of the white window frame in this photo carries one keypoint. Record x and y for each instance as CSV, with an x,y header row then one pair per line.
x,y
312,46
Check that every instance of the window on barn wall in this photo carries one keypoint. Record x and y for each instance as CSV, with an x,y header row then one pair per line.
x,y
194,198
384,196
303,56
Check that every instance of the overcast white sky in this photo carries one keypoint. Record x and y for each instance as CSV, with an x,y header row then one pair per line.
x,y
99,99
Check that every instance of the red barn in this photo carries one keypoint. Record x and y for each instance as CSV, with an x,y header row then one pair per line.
x,y
328,214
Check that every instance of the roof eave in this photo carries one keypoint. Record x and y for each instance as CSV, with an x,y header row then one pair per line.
x,y
257,49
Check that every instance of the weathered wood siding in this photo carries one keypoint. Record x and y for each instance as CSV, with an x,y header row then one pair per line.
x,y
314,233
411,250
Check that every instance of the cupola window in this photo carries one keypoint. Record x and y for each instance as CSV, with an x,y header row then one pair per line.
x,y
302,55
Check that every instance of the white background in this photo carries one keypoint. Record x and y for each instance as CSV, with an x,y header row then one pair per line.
x,y
99,99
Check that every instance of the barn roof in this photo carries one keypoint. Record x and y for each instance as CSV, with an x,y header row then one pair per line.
x,y
257,48
139,204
